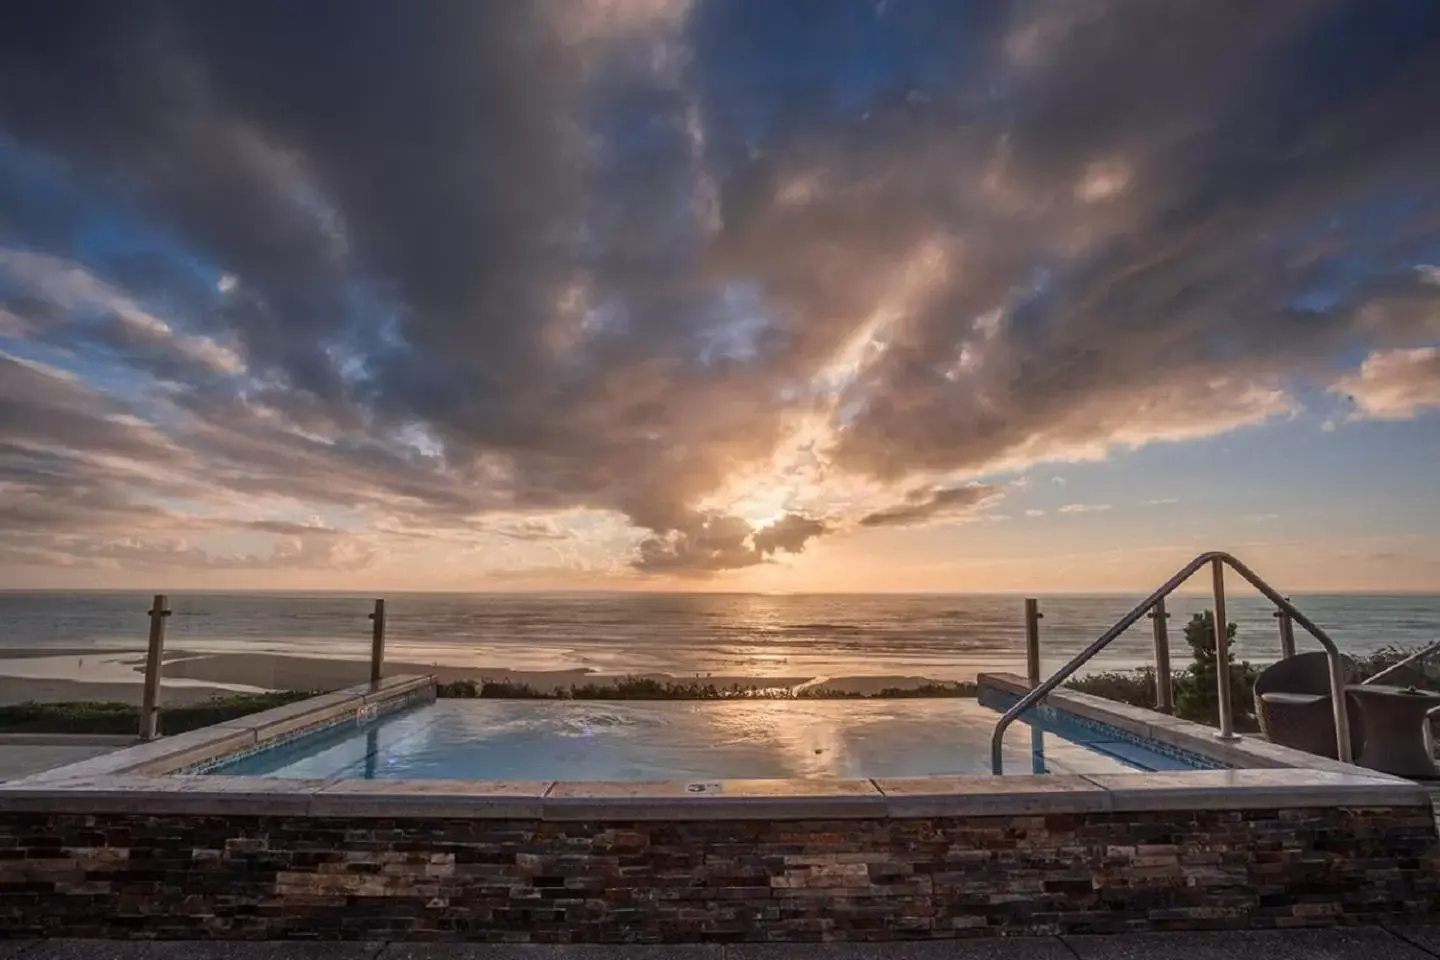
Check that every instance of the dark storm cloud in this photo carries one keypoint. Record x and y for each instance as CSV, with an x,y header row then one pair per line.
x,y
451,259
403,198
1146,221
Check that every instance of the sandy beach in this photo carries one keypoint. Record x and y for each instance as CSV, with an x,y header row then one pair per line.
x,y
66,674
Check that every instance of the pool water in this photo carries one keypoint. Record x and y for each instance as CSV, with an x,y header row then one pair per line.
x,y
608,740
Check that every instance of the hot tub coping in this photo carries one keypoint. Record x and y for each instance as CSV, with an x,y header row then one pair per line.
x,y
145,779
674,800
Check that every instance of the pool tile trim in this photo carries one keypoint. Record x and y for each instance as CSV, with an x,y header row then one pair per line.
x,y
999,694
285,731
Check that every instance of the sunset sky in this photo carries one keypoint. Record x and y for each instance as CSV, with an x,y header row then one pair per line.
x,y
782,295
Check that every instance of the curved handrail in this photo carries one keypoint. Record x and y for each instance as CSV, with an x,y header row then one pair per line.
x,y
1337,674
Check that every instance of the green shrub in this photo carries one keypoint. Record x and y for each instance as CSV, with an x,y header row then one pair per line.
x,y
457,689
229,707
961,689
1196,694
77,716
520,691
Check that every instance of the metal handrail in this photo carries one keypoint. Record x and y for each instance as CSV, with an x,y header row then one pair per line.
x,y
1418,655
1218,560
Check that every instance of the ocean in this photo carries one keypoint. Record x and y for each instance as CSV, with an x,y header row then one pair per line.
x,y
683,635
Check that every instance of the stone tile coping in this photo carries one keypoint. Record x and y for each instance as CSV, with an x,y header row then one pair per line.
x,y
171,753
920,797
1249,751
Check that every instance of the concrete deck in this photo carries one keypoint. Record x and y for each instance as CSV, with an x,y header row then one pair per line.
x,y
24,755
1414,942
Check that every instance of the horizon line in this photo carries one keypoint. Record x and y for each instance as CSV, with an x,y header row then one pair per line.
x,y
382,594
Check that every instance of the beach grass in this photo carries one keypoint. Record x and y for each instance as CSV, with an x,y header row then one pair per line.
x,y
650,688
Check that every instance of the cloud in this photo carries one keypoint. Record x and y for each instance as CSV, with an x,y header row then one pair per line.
x,y
714,542
1034,513
527,528
1085,508
790,533
472,272
78,306
597,20
1394,384
1160,502
923,506
148,554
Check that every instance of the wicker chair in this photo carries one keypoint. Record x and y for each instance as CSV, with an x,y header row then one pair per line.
x,y
1292,700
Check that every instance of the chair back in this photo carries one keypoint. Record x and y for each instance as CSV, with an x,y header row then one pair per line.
x,y
1302,673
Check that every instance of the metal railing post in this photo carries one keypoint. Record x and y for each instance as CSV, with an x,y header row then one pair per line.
x,y
377,643
1164,679
1287,633
1343,753
150,703
1222,653
1032,642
